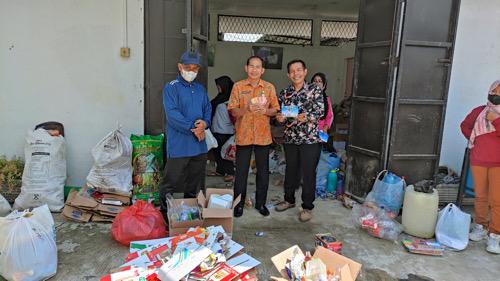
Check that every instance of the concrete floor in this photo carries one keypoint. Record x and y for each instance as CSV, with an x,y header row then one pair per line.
x,y
87,251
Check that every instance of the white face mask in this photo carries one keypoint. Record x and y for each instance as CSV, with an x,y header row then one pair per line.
x,y
188,75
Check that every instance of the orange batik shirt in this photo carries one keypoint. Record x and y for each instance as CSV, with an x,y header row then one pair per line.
x,y
253,128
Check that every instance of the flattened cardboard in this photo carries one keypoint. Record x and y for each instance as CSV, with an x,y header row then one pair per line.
x,y
99,218
109,209
349,269
75,214
77,199
125,200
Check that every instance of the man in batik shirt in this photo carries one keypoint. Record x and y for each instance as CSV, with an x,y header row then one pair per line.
x,y
302,142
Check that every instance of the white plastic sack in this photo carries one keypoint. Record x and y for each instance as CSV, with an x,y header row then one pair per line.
x,y
112,170
44,171
4,206
28,250
210,139
452,228
228,150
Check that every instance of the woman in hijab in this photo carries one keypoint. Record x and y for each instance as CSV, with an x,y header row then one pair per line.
x,y
224,86
482,128
222,127
325,123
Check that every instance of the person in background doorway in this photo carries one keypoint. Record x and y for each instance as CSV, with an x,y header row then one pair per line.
x,y
482,128
253,102
302,143
187,112
222,127
326,121
224,86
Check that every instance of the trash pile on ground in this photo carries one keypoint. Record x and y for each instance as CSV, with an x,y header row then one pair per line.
x,y
88,204
28,248
199,254
376,222
419,204
324,265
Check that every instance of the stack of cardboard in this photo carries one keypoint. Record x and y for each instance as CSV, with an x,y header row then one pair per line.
x,y
89,205
197,255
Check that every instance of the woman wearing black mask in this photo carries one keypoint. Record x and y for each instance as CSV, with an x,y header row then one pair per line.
x,y
222,127
482,128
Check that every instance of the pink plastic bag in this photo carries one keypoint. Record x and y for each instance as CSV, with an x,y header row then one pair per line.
x,y
138,222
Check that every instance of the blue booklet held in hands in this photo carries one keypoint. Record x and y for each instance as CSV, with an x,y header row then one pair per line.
x,y
290,110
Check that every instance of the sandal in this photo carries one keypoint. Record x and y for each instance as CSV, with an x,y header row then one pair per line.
x,y
214,174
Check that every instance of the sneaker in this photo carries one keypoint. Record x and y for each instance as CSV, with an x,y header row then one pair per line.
x,y
305,215
478,233
493,243
283,206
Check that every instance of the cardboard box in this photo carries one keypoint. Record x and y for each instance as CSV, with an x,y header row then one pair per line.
x,y
216,216
349,269
81,200
181,227
328,241
112,199
99,218
75,214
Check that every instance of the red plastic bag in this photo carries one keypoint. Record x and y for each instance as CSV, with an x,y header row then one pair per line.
x,y
138,222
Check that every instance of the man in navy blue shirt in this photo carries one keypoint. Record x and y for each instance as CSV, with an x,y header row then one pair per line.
x,y
188,113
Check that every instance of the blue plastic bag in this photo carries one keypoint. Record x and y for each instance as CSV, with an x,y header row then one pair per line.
x,y
327,161
387,195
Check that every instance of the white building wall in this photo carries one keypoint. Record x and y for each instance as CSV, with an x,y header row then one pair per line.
x,y
60,61
476,65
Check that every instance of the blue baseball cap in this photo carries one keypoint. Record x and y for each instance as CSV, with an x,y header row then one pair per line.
x,y
191,58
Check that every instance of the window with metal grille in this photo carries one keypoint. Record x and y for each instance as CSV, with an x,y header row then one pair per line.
x,y
265,30
336,33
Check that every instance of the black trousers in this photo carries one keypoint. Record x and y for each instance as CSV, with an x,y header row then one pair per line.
x,y
301,162
243,157
185,174
224,167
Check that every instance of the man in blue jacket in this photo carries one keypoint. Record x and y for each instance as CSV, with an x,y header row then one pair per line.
x,y
188,113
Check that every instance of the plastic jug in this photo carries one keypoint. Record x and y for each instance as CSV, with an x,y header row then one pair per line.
x,y
332,181
420,212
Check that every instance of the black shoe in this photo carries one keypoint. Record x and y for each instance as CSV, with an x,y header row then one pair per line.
x,y
263,211
238,211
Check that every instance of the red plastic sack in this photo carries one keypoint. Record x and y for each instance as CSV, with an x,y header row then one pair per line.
x,y
138,222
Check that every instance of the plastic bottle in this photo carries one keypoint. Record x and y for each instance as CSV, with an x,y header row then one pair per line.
x,y
391,178
332,181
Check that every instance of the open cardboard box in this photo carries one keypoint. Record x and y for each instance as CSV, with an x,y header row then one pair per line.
x,y
180,227
349,269
216,216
